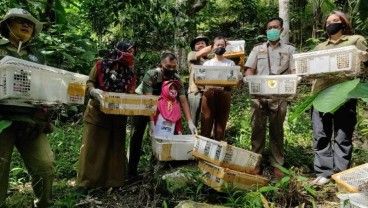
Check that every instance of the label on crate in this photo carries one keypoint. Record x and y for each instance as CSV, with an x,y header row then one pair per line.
x,y
215,151
272,83
209,149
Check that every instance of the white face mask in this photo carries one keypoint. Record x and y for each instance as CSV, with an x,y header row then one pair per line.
x,y
173,93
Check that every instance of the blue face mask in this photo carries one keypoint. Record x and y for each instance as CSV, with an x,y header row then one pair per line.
x,y
273,34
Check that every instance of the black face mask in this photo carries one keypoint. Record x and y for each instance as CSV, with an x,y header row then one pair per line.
x,y
168,72
334,28
219,51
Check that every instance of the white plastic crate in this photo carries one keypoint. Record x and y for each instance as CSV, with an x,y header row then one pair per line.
x,y
272,84
128,104
241,160
27,82
222,179
216,75
235,46
210,150
352,180
174,147
329,61
354,200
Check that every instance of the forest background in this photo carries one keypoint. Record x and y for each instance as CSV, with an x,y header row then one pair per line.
x,y
77,32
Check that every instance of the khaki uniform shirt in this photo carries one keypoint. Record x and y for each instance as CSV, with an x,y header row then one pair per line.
x,y
33,114
346,40
281,59
27,53
192,60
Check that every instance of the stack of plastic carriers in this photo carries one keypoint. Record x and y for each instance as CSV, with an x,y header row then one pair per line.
x,y
235,51
27,83
353,187
228,167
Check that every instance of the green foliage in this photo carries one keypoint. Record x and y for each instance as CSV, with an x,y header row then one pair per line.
x,y
65,143
360,91
290,191
4,124
64,48
66,195
330,99
302,107
244,199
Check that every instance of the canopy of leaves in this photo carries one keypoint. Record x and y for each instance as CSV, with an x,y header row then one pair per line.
x,y
76,33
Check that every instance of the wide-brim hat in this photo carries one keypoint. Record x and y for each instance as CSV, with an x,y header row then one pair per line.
x,y
16,12
198,38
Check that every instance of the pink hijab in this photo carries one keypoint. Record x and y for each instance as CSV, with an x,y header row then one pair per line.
x,y
168,106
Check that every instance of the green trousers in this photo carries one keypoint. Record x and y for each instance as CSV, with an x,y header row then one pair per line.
x,y
35,150
273,110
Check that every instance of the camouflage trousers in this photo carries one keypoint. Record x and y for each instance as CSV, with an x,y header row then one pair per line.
x,y
273,110
34,148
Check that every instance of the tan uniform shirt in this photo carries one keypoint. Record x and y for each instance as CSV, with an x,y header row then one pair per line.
x,y
281,59
192,60
346,40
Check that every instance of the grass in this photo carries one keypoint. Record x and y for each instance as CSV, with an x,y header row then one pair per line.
x,y
65,142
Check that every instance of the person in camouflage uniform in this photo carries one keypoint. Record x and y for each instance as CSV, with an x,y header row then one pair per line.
x,y
152,84
29,124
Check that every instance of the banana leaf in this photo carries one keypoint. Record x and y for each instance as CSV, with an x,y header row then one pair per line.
x,y
330,99
302,107
4,124
361,91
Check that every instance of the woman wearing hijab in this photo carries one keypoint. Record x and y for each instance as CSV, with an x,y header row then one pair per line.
x,y
102,161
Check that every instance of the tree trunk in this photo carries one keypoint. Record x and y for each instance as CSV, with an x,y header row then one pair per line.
x,y
178,50
284,14
191,7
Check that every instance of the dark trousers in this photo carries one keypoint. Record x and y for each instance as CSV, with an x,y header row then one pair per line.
x,y
135,147
215,112
333,135
275,111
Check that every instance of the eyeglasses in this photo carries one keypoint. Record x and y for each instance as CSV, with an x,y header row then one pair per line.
x,y
23,21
